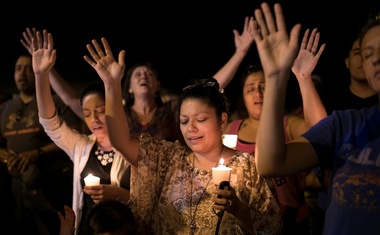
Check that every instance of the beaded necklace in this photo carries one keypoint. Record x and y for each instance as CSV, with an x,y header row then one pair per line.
x,y
104,157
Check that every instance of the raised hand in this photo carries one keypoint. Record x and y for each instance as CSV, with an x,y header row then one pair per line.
x,y
276,49
28,35
103,61
308,54
244,40
44,54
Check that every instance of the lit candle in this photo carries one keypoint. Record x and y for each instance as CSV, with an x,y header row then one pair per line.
x,y
91,180
221,173
230,140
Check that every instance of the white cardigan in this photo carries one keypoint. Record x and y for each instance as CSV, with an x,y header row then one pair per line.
x,y
78,147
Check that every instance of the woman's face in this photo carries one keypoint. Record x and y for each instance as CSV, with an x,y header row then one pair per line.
x,y
200,126
253,92
93,106
143,82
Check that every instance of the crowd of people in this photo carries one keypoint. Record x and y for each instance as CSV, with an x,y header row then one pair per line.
x,y
155,157
290,189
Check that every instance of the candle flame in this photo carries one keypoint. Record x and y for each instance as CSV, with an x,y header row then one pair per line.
x,y
221,161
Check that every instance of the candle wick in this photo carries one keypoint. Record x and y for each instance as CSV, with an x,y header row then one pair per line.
x,y
220,156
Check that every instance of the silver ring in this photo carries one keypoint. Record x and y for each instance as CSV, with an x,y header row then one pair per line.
x,y
229,203
313,52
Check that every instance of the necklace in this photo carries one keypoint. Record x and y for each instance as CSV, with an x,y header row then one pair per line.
x,y
104,157
201,172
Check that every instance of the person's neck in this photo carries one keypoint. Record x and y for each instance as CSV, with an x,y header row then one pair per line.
x,y
209,160
104,143
253,122
144,106
26,98
361,89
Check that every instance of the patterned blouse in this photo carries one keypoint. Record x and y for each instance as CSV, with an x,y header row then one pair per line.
x,y
167,194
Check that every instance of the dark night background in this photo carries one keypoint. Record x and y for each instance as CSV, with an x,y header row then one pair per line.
x,y
183,39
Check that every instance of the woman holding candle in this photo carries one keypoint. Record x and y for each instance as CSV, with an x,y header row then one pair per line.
x,y
172,188
91,154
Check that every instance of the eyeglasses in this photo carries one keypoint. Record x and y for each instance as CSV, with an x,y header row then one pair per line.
x,y
204,84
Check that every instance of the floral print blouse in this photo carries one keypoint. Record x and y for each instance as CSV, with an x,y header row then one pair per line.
x,y
167,194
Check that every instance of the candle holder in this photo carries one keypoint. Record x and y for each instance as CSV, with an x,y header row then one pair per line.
x,y
91,180
221,173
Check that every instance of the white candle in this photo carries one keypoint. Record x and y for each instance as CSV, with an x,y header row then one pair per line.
x,y
230,140
221,173
91,180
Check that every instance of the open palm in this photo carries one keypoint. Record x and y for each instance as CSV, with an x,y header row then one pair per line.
x,y
104,63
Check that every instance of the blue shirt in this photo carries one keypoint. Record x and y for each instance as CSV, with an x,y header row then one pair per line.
x,y
348,143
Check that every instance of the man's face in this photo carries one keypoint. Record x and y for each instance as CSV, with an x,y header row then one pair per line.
x,y
24,76
354,63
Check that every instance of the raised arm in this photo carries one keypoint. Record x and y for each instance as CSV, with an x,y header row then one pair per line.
x,y
43,59
242,43
68,94
111,72
303,67
304,64
277,51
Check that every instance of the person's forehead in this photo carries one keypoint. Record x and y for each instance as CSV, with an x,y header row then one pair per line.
x,y
93,97
141,69
24,60
371,38
257,77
